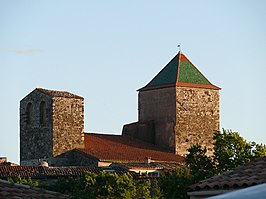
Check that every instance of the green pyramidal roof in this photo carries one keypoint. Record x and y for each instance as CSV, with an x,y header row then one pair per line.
x,y
167,75
180,72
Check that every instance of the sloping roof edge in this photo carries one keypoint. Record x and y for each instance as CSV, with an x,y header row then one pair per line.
x,y
56,93
181,58
181,84
249,174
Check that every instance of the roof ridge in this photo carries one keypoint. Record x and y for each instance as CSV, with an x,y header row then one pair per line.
x,y
58,93
178,67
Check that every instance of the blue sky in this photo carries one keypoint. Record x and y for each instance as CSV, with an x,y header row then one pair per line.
x,y
106,50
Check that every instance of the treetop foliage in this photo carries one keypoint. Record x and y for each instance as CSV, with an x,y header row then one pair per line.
x,y
230,150
25,181
106,185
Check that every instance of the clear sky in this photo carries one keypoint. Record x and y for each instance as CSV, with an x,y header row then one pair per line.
x,y
106,50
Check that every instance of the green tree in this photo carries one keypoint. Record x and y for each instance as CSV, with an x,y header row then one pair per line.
x,y
75,187
110,185
155,190
143,188
105,185
173,185
258,150
89,181
26,181
201,166
232,150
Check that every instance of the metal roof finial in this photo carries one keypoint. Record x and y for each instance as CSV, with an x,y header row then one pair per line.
x,y
179,47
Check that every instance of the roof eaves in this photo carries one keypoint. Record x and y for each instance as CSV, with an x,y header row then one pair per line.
x,y
146,88
196,85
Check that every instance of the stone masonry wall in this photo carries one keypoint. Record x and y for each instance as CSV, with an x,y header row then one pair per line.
x,y
69,158
159,105
140,130
197,117
68,124
35,138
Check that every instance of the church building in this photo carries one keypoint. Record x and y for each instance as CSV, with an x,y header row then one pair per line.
x,y
177,108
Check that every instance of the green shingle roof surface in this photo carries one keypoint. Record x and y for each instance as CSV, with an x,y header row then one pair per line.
x,y
189,73
179,69
167,75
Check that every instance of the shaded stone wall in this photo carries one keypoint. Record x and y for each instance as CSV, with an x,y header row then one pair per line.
x,y
197,117
69,158
51,126
68,124
74,158
159,105
140,130
35,137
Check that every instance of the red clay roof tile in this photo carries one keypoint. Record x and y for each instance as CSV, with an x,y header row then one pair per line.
x,y
118,148
166,166
243,176
40,172
47,172
10,190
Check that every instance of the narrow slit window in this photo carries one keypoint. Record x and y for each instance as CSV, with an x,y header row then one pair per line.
x,y
29,113
43,113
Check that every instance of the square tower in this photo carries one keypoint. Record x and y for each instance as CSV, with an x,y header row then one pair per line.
x,y
51,123
182,105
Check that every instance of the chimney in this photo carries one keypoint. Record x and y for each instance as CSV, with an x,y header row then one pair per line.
x,y
44,164
147,160
3,160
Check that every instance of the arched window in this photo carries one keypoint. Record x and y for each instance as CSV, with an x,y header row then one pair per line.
x,y
29,113
43,113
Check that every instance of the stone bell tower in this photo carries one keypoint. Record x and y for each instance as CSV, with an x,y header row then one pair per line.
x,y
51,123
177,108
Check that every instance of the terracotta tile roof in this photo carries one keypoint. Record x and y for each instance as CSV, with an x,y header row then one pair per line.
x,y
154,165
179,72
40,172
44,172
17,191
168,165
117,148
138,165
243,176
55,93
8,164
196,85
